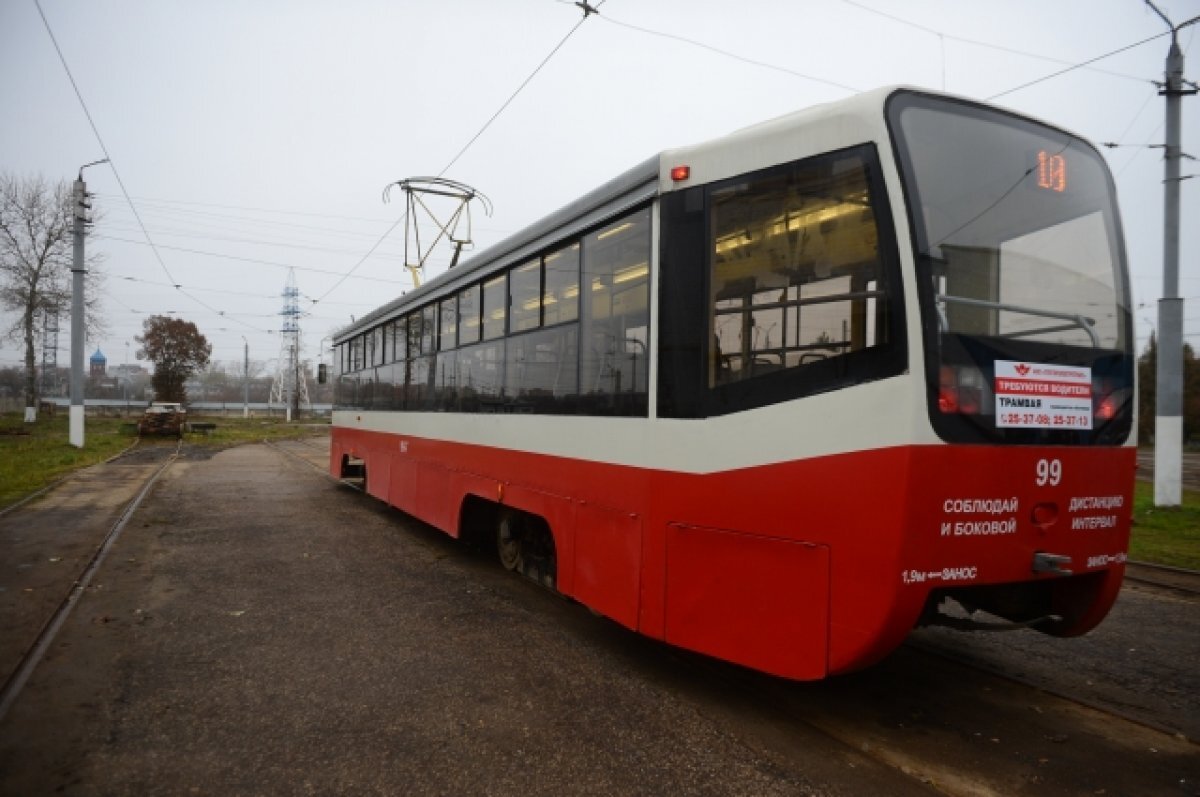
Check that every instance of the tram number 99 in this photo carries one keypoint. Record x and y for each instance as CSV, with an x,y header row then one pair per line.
x,y
1049,471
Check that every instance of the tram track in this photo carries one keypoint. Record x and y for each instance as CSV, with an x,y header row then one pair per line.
x,y
16,679
20,502
1174,579
29,656
897,715
1038,686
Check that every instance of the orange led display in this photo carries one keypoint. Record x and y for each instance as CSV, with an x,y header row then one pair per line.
x,y
1052,172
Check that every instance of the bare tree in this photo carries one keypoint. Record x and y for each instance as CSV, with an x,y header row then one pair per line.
x,y
36,220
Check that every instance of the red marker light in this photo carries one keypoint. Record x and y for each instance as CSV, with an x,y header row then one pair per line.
x,y
948,390
947,399
681,173
1107,409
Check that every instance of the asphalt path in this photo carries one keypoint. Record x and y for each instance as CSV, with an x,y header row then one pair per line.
x,y
260,630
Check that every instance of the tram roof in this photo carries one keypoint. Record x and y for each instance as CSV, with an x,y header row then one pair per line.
x,y
636,185
621,193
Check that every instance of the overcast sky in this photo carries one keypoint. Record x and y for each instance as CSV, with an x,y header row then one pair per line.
x,y
257,135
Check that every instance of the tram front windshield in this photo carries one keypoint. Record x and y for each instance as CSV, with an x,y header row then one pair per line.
x,y
1021,269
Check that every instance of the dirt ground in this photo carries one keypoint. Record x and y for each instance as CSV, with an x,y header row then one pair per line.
x,y
257,629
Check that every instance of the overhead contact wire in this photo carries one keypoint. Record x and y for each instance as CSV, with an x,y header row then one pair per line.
x,y
467,146
117,174
728,54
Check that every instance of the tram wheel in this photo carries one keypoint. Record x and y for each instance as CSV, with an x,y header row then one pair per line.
x,y
508,541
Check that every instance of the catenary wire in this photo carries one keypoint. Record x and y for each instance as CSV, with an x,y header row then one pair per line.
x,y
1081,65
252,260
113,166
467,146
728,54
169,233
978,43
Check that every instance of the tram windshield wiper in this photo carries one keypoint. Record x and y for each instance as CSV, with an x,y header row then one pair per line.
x,y
1077,321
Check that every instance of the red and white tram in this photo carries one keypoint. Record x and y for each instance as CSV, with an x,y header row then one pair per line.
x,y
782,396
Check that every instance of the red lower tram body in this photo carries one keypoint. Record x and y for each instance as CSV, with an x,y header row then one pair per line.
x,y
802,569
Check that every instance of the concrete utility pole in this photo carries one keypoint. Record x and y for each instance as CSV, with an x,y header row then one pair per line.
x,y
1168,416
81,206
79,196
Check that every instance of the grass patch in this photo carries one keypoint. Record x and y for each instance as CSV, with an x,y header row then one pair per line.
x,y
1167,536
33,455
232,430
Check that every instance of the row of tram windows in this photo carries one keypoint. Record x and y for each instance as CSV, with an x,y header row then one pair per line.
x,y
566,332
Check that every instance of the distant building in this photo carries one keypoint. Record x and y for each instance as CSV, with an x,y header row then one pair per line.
x,y
100,384
99,365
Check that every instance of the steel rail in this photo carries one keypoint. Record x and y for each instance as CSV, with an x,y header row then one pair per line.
x,y
42,491
29,661
1176,579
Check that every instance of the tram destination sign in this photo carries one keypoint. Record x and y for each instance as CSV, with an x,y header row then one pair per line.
x,y
1039,396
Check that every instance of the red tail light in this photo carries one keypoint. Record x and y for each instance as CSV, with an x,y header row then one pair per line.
x,y
960,390
948,399
1107,400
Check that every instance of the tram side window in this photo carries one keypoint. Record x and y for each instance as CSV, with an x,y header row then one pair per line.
x,y
345,386
422,372
412,335
525,293
397,340
560,296
428,325
445,388
796,275
542,370
469,327
411,325
542,363
614,334
386,352
448,324
479,373
385,387
376,347
495,298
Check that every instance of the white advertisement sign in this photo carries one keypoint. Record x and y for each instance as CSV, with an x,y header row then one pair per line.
x,y
1039,396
